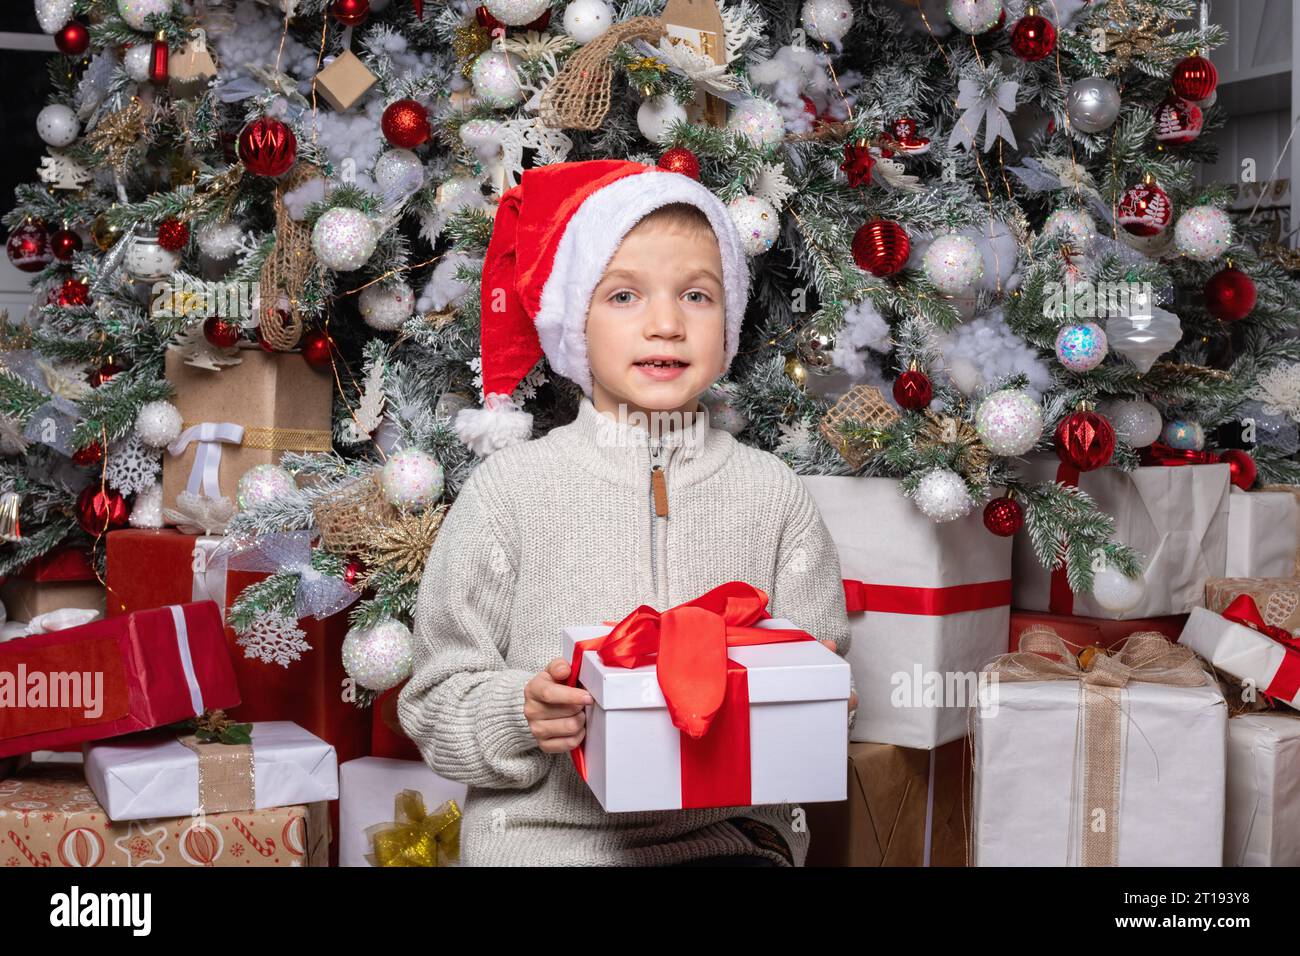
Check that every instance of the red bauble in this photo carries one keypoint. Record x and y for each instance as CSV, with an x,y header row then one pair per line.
x,y
857,164
1178,121
541,23
406,124
679,159
73,292
1033,38
913,391
1004,516
173,235
104,373
158,56
1145,210
221,332
73,39
352,570
1241,467
350,13
1230,295
267,147
486,20
29,247
1195,78
65,244
1085,440
316,349
92,454
100,511
881,247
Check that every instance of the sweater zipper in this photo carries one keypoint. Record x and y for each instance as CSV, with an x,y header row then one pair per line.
x,y
658,509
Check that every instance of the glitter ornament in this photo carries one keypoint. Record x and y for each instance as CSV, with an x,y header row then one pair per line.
x,y
101,511
942,495
679,159
1081,347
881,247
1072,224
146,510
104,234
1092,104
1178,122
267,147
1203,233
974,16
1241,467
399,172
317,349
386,307
759,120
405,124
584,20
1145,210
1144,338
53,15
91,454
29,247
173,235
1009,422
73,39
1183,435
1116,592
379,657
1085,440
343,239
222,333
1230,295
219,240
656,115
1136,422
263,484
1004,516
1195,78
827,20
411,478
73,292
517,13
137,12
350,13
65,244
158,423
1033,38
913,390
147,261
496,80
57,125
953,263
136,62
757,222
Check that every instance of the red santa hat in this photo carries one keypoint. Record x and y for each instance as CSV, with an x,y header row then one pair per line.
x,y
554,236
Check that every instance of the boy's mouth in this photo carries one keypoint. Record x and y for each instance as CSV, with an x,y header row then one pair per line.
x,y
661,368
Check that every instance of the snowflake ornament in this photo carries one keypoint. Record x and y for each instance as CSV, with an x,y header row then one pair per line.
x,y
132,468
795,439
61,172
770,183
273,638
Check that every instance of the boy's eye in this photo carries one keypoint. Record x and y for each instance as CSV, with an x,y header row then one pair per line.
x,y
616,297
702,295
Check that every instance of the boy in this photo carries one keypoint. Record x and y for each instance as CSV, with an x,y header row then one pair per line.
x,y
633,282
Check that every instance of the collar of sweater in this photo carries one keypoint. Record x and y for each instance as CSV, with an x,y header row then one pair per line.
x,y
619,451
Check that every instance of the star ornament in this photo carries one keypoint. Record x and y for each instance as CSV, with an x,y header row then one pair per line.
x,y
858,163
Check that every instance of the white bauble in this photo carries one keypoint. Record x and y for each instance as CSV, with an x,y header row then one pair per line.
x,y
584,20
343,239
1137,423
656,115
158,423
53,15
399,172
953,263
759,120
386,307
1009,422
147,261
219,240
974,16
136,61
1072,224
942,495
496,80
827,20
146,510
1115,592
517,13
57,125
757,221
263,484
378,657
136,12
411,478
1203,233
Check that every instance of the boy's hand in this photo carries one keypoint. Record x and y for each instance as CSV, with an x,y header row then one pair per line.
x,y
554,710
853,695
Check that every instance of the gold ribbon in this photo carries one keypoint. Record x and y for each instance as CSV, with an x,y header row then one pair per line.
x,y
1145,657
225,775
416,838
283,439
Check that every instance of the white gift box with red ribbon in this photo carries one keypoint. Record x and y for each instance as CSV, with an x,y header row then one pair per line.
x,y
1245,652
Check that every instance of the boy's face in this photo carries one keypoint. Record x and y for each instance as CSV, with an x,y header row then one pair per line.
x,y
656,327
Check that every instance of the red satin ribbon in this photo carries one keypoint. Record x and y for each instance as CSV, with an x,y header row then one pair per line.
x,y
1158,454
707,693
1285,684
934,602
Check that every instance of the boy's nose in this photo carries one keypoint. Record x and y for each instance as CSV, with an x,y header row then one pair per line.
x,y
665,320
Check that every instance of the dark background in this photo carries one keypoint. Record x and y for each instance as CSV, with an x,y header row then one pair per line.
x,y
24,86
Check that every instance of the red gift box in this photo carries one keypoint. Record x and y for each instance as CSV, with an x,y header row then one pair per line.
x,y
113,677
1080,632
61,564
386,736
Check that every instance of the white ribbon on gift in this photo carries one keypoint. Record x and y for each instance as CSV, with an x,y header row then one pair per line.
x,y
208,565
57,620
204,474
187,661
989,109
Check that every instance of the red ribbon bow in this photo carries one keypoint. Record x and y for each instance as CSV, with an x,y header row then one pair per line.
x,y
1243,610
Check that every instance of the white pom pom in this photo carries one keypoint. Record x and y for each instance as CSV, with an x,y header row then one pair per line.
x,y
498,424
158,424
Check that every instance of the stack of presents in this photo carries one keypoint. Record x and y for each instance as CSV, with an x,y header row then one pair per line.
x,y
1002,719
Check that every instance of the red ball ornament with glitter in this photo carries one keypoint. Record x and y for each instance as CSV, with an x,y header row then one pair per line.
x,y
1195,78
881,247
913,391
100,511
1085,440
350,13
221,332
1033,38
1230,295
679,159
267,147
73,292
406,124
1004,516
73,39
91,454
65,244
316,349
1145,210
352,570
173,235
1241,468
1178,121
29,247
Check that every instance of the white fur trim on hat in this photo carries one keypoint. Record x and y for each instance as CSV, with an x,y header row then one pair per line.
x,y
499,424
589,242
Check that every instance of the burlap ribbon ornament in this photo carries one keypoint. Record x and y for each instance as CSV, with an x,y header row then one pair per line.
x,y
225,775
1145,657
286,270
578,97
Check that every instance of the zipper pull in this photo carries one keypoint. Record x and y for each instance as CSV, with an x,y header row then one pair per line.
x,y
660,489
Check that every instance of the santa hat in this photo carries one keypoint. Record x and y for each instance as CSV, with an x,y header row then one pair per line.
x,y
555,234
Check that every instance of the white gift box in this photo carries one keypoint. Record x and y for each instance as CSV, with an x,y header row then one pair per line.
x,y
798,699
1244,653
1262,534
1028,775
147,776
1263,826
900,654
1177,517
368,788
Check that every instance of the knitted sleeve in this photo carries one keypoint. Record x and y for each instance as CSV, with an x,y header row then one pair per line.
x,y
808,589
463,706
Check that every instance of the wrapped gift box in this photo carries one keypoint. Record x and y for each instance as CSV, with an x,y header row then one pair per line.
x,y
1080,632
164,775
64,578
1263,825
636,759
368,789
52,819
1037,742
1262,534
1238,643
937,604
1278,599
1176,517
113,677
906,807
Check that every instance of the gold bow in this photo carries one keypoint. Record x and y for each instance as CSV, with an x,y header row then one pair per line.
x,y
417,837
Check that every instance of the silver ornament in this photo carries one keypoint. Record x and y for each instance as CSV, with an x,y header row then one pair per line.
x,y
1144,338
1136,422
1093,104
147,261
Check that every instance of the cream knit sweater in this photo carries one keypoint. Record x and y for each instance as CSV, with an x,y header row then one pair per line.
x,y
561,531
